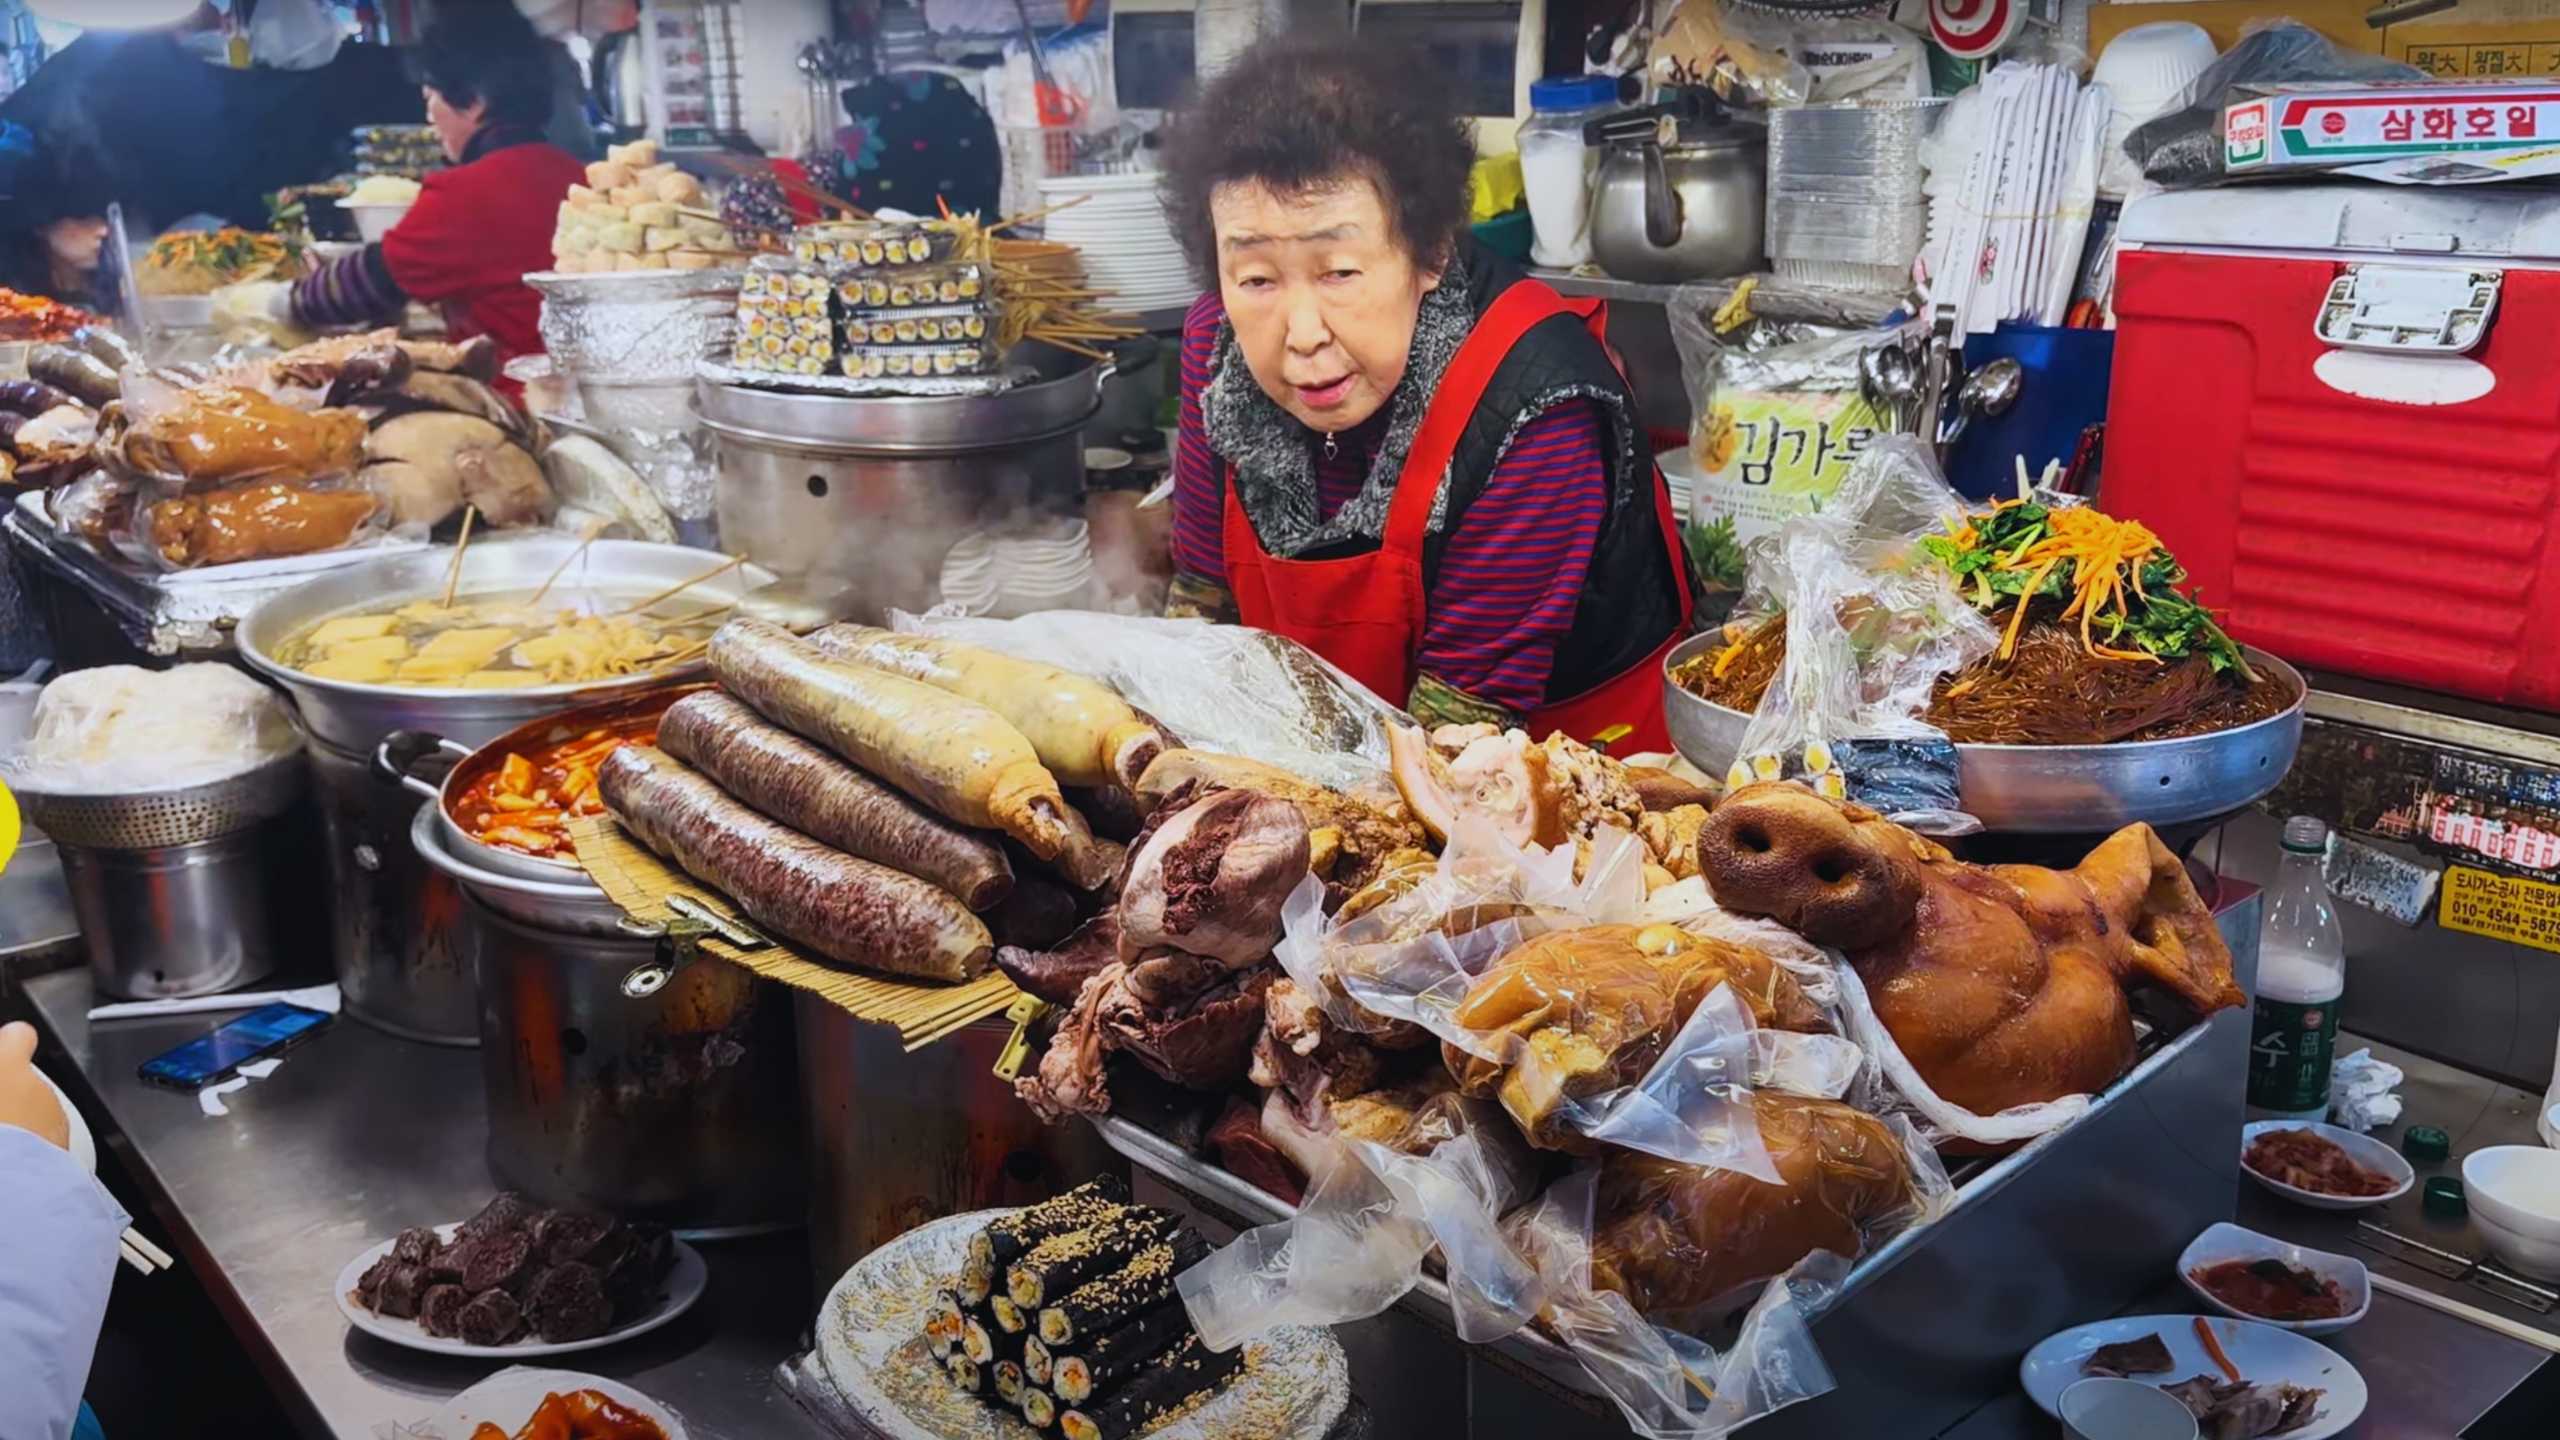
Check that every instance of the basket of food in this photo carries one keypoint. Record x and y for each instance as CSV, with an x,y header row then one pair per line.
x,y
2103,694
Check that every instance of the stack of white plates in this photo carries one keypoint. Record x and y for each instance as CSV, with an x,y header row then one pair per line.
x,y
1010,575
1129,251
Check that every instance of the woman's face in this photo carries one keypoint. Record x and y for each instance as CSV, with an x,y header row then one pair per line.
x,y
1322,295
75,241
454,125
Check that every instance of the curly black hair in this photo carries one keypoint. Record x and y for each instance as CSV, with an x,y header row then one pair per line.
x,y
476,50
1299,113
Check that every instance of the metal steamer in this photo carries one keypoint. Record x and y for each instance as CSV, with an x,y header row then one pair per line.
x,y
183,892
868,493
401,950
2056,789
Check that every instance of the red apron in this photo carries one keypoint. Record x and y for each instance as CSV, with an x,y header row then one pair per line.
x,y
1365,612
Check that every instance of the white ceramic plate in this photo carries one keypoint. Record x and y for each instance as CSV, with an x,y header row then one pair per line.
x,y
2372,1154
2264,1354
684,1285
2225,1241
869,1335
507,1399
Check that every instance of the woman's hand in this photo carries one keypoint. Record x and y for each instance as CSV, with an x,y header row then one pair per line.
x,y
26,1101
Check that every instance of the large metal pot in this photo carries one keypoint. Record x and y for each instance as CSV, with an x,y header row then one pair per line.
x,y
2054,789
403,753
395,930
615,1085
355,717
399,957
899,1138
872,492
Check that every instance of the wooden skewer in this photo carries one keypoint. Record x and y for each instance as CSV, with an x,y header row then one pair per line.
x,y
453,572
594,529
723,568
705,613
685,655
1010,221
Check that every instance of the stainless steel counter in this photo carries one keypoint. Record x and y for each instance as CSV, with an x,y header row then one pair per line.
x,y
355,1137
2431,1372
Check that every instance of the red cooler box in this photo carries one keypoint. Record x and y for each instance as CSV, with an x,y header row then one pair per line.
x,y
2340,405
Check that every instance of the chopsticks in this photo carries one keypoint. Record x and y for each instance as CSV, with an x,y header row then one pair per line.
x,y
137,1251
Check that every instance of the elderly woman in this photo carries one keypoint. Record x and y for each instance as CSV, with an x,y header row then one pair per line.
x,y
1395,448
479,227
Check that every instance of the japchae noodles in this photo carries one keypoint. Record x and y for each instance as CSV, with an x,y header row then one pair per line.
x,y
2098,643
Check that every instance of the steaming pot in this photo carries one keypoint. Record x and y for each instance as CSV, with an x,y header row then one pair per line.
x,y
871,492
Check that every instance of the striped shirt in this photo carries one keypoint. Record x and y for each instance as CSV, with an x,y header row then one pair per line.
x,y
1508,579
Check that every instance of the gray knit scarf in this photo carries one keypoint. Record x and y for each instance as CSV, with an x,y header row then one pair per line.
x,y
1273,454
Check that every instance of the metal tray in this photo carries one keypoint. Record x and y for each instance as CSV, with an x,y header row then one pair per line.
x,y
1057,392
2056,789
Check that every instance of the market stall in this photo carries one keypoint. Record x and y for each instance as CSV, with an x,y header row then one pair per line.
x,y
750,922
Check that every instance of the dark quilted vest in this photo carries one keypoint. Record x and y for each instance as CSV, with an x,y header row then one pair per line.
x,y
1631,595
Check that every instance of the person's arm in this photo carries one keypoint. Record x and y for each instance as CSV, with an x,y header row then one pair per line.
x,y
1504,595
61,1261
1199,588
354,289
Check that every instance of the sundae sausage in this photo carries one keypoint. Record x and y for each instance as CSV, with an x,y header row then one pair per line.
x,y
1084,732
847,910
952,753
779,774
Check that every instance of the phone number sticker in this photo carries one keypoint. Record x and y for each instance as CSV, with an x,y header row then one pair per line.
x,y
2501,907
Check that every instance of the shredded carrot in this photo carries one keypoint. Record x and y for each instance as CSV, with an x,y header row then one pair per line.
x,y
2026,597
2213,1348
1731,653
2101,549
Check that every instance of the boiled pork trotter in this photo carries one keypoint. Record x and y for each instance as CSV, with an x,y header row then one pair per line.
x,y
1582,1012
2003,984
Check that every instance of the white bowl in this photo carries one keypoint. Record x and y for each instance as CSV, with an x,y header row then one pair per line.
x,y
2225,1241
2518,1186
2106,1407
2147,67
2372,1154
2524,1254
375,221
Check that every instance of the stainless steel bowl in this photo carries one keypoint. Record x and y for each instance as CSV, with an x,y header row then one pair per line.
x,y
576,908
402,754
354,717
2054,789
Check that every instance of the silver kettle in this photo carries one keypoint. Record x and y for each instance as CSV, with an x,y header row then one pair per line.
x,y
1678,200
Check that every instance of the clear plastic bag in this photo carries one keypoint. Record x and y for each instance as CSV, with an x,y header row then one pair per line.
x,y
1217,687
1871,625
121,729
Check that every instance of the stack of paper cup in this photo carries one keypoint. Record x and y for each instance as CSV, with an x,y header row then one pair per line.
x,y
2146,70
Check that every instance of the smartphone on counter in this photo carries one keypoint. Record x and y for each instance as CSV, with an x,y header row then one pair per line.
x,y
218,1054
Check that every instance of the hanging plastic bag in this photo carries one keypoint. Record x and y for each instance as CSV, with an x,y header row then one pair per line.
x,y
1870,624
293,35
1219,687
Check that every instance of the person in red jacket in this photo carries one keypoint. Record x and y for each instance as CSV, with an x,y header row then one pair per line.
x,y
479,227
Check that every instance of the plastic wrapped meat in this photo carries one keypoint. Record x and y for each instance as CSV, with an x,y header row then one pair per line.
x,y
2002,985
1674,1237
1579,1013
217,434
258,521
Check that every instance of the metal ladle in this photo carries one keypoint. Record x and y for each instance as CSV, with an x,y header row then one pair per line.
x,y
1990,390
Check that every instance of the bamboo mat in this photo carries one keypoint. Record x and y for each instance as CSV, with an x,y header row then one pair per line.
x,y
634,878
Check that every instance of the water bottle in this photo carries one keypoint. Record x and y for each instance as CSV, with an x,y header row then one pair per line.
x,y
2302,975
